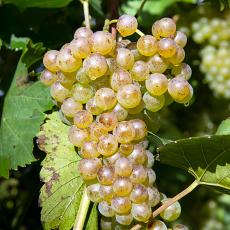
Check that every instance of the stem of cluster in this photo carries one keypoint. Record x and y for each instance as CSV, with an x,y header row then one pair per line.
x,y
139,32
85,4
82,212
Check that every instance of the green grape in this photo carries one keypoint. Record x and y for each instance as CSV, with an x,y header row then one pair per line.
x,y
105,98
138,155
147,45
151,177
178,57
132,46
126,25
89,150
122,186
129,96
126,149
106,191
67,79
48,78
83,32
80,48
102,82
154,196
172,212
124,132
139,174
50,60
112,66
140,71
95,66
82,77
166,47
138,109
93,193
151,159
180,39
106,175
69,107
139,194
156,84
180,90
58,92
155,103
141,212
121,205
120,78
157,64
124,58
96,130
180,227
106,223
162,196
105,209
102,42
124,219
123,167
112,159
120,112
78,136
164,27
82,119
158,225
92,107
140,129
107,145
82,93
184,70
88,168
109,120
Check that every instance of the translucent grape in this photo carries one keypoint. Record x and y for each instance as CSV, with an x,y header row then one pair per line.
x,y
121,205
147,45
89,150
140,129
139,194
69,107
151,177
120,112
48,78
139,174
178,57
158,225
155,103
172,212
166,47
83,32
78,136
82,119
154,196
106,223
138,109
180,39
141,212
106,191
151,159
105,209
123,167
124,219
120,78
109,120
122,186
112,159
82,77
105,98
140,71
107,145
80,48
67,79
50,60
82,93
96,130
106,175
93,193
184,70
92,107
180,227
59,92
112,66
126,149
124,58
138,155
157,64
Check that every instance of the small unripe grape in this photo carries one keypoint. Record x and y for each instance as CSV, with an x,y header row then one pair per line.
x,y
124,58
180,90
82,119
95,66
93,193
141,212
178,57
82,77
172,212
147,45
123,167
67,62
106,191
82,93
88,168
120,78
102,42
105,209
50,60
180,39
67,79
112,159
154,196
106,223
165,27
184,70
124,219
140,71
105,98
59,92
140,129
156,84
69,107
155,103
109,120
120,112
151,159
92,107
80,48
180,227
157,64
107,145
124,132
96,130
122,186
139,194
126,25
138,155
89,150
126,149
166,47
139,174
151,177
106,175
48,78
158,225
129,96
83,32
78,136
121,205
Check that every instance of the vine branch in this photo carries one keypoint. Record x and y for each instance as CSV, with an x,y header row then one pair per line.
x,y
85,4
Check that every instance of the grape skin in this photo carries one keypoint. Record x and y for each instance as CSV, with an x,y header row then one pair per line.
x,y
83,32
153,103
50,60
93,192
109,120
180,39
105,209
124,219
180,227
58,92
48,78
121,205
124,58
78,136
69,107
154,196
139,194
140,71
106,192
126,25
105,98
123,167
158,225
138,155
122,186
147,45
96,130
89,150
106,175
166,47
157,64
120,112
141,212
80,48
82,93
82,119
107,145
139,174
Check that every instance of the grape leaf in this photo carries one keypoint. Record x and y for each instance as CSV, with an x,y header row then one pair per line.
x,y
61,194
92,223
96,4
224,127
206,158
22,114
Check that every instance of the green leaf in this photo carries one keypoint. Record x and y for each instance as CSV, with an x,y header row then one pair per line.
x,y
61,194
97,6
18,43
206,158
38,3
224,128
92,223
0,43
22,114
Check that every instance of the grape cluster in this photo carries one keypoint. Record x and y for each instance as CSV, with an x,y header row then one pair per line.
x,y
99,83
215,55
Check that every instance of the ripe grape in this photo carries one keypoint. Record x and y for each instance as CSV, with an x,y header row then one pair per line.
x,y
126,149
140,129
123,167
106,223
124,58
138,109
166,47
82,77
157,64
124,219
82,93
120,112
139,194
106,191
121,205
105,98
147,45
140,71
122,186
111,159
67,79
112,66
179,227
89,150
172,212
69,107
151,159
50,60
58,92
96,130
107,145
154,196
141,212
153,103
109,120
138,155
93,193
80,48
48,78
158,225
184,70
78,136
92,107
151,177
139,174
83,32
82,119
106,175
105,209
178,57
180,39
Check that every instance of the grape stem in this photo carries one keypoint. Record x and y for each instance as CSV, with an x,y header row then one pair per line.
x,y
82,212
85,4
171,201
139,32
140,8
